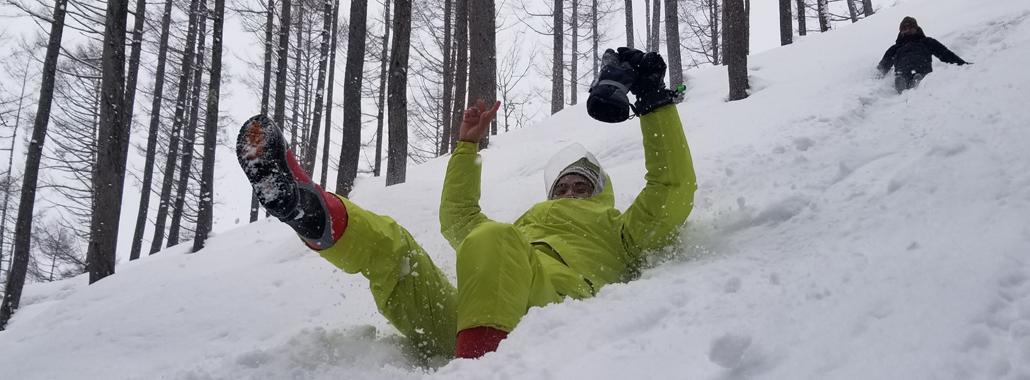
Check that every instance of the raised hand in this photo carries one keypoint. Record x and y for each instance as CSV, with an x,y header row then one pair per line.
x,y
476,121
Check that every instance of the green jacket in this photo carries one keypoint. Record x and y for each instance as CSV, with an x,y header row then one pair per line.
x,y
590,236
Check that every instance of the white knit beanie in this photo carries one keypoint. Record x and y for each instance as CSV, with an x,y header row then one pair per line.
x,y
585,168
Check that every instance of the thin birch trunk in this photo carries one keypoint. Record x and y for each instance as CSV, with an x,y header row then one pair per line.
x,y
448,78
179,120
574,62
155,117
786,24
205,217
112,144
672,44
27,202
461,61
352,79
316,122
629,23
557,60
397,97
329,97
189,135
384,64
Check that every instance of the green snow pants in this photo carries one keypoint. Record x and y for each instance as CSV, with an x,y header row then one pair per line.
x,y
500,276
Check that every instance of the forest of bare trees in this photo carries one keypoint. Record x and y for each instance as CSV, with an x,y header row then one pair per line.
x,y
23,226
144,80
80,142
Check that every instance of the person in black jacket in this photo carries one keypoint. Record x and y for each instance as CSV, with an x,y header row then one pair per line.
x,y
910,56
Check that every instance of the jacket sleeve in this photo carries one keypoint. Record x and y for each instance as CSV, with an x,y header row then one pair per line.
x,y
656,214
888,60
943,53
459,203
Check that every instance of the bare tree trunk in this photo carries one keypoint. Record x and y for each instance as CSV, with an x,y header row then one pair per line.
x,y
594,37
296,104
824,15
316,123
155,117
786,24
483,65
53,268
647,26
282,65
266,77
482,40
736,56
629,23
715,15
305,108
461,61
177,126
383,72
747,27
448,79
8,181
351,143
205,217
672,44
852,10
397,94
23,227
133,74
112,142
725,31
329,96
557,57
574,62
265,86
190,134
802,27
656,25
867,8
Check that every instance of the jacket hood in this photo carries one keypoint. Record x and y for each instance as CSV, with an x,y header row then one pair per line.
x,y
577,159
918,35
908,22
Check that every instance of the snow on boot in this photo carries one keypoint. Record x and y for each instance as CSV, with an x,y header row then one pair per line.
x,y
284,189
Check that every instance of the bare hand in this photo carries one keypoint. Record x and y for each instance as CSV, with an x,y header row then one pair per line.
x,y
476,121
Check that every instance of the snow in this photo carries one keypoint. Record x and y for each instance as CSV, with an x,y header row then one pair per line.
x,y
841,231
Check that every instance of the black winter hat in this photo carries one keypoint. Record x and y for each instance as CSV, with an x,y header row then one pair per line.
x,y
908,22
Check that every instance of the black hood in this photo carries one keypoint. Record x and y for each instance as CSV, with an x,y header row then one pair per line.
x,y
918,35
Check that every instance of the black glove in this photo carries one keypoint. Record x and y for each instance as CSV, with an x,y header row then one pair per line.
x,y
650,84
608,101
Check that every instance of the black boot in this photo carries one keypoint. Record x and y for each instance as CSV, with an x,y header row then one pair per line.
x,y
284,189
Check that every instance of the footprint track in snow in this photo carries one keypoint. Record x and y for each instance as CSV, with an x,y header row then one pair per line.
x,y
998,342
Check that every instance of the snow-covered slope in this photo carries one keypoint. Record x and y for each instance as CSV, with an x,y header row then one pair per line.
x,y
841,232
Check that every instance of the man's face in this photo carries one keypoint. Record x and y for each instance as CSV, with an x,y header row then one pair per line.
x,y
573,186
908,30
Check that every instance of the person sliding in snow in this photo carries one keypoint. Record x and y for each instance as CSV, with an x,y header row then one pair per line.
x,y
910,56
570,245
